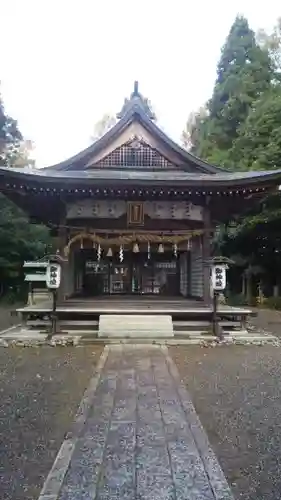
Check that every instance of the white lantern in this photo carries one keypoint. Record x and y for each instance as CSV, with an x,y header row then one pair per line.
x,y
218,277
53,276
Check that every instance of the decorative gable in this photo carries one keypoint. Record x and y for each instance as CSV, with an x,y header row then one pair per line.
x,y
134,154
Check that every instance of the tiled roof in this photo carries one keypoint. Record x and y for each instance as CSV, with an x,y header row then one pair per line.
x,y
161,177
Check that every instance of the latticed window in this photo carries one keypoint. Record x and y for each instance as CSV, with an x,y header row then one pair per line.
x,y
134,154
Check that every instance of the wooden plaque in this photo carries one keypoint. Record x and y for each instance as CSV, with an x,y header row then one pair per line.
x,y
135,213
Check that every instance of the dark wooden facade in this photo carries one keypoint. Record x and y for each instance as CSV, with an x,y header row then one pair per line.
x,y
132,202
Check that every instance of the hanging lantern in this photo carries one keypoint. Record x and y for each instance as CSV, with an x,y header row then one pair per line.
x,y
189,244
148,250
81,244
161,248
136,248
121,253
109,252
99,252
175,249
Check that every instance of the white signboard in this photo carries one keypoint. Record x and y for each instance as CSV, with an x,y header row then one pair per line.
x,y
35,264
35,271
35,277
53,276
218,277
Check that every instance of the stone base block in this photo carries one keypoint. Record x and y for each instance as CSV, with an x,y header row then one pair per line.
x,y
135,326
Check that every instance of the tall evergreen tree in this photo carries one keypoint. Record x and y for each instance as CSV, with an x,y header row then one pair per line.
x,y
243,131
19,239
191,135
10,136
272,43
258,145
244,72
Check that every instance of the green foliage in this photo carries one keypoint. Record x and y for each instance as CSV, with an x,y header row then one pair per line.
x,y
19,239
272,43
268,303
258,145
242,130
272,303
10,136
240,300
244,73
192,133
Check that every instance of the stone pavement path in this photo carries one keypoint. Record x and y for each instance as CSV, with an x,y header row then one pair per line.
x,y
137,436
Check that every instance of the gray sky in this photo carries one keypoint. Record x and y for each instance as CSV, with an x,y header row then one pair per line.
x,y
64,63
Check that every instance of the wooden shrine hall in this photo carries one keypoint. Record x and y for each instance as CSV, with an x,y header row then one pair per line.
x,y
134,213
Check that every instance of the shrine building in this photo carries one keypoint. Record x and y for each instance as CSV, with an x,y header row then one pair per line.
x,y
134,213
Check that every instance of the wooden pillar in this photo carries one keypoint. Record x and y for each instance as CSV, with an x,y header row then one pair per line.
x,y
206,253
244,285
188,270
61,243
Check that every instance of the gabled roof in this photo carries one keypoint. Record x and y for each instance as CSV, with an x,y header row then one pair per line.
x,y
132,177
90,171
136,109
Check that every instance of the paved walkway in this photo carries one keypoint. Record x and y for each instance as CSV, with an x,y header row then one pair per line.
x,y
137,436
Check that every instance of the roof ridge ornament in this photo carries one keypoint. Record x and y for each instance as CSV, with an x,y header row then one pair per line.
x,y
135,92
137,102
135,142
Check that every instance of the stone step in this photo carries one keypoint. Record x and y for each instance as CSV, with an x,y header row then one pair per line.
x,y
81,338
66,326
202,324
73,322
191,340
181,328
182,333
135,326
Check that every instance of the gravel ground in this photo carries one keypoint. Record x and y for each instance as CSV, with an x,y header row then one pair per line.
x,y
8,317
268,320
40,392
236,391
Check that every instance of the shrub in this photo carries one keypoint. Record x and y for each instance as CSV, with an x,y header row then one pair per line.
x,y
272,303
241,300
